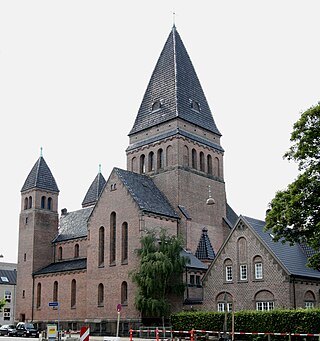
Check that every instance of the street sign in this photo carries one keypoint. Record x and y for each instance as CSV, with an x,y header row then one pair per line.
x,y
53,304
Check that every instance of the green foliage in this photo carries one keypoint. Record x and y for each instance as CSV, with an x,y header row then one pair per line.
x,y
294,214
2,303
159,273
275,321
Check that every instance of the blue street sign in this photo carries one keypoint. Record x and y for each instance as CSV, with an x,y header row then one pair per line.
x,y
53,304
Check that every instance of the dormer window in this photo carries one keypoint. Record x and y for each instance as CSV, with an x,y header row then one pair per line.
x,y
195,106
156,106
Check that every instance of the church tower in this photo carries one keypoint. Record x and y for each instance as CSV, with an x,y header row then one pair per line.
x,y
38,225
175,140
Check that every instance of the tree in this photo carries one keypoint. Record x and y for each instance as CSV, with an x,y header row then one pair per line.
x,y
294,213
2,303
159,274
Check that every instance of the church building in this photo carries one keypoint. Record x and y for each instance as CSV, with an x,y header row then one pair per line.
x,y
174,180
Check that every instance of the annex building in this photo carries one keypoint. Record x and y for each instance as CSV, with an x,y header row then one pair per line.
x,y
174,180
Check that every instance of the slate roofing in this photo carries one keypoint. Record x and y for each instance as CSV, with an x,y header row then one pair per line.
x,y
146,194
68,265
8,277
175,89
74,225
193,261
40,177
94,191
292,258
232,216
205,250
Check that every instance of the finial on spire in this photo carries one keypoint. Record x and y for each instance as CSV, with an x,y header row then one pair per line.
x,y
41,154
99,167
174,19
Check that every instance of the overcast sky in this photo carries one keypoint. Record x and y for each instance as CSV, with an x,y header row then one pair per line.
x,y
73,74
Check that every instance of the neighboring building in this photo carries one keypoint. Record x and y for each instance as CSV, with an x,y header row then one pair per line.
x,y
83,258
8,281
251,271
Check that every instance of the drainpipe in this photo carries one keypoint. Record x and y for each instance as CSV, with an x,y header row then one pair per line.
x,y
32,305
294,292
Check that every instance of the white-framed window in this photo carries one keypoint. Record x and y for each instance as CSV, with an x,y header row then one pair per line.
x,y
243,272
221,306
265,305
309,304
258,271
6,314
229,273
7,296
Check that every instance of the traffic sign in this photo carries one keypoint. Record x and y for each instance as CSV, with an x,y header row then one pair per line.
x,y
119,308
53,304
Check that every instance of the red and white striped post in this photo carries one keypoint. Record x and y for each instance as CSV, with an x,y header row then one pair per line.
x,y
131,334
84,333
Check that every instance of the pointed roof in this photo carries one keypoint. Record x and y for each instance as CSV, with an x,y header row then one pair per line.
x,y
94,190
40,177
146,194
205,250
174,91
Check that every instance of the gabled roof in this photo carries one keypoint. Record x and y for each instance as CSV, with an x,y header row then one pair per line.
x,y
292,258
146,194
40,177
193,261
74,225
205,250
8,277
94,191
69,265
174,85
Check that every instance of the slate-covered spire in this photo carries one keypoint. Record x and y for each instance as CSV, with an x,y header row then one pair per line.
x,y
40,177
174,91
205,250
94,190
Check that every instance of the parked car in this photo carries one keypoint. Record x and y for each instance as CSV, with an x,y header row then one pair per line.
x,y
24,329
4,330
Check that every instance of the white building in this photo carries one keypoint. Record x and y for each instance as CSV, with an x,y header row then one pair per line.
x,y
8,280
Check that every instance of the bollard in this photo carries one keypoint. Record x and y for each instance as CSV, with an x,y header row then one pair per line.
x,y
131,334
191,337
157,334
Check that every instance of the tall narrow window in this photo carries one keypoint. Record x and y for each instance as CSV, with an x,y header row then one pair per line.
x,y
76,251
201,161
73,293
39,295
101,247
216,166
113,237
258,274
124,293
142,164
194,158
243,272
49,204
30,202
160,159
55,292
185,156
150,162
169,156
26,203
60,253
43,202
124,241
100,295
209,164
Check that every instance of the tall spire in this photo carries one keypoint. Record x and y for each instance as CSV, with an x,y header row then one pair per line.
x,y
94,190
174,91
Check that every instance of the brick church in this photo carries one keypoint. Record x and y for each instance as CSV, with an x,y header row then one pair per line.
x,y
174,180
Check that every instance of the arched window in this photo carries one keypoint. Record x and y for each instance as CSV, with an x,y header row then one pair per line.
x,y
160,159
39,295
49,203
101,247
73,293
169,156
55,292
309,299
201,162
60,253
156,105
134,167
30,202
26,203
76,251
264,300
100,295
224,301
209,164
142,164
113,225
195,106
216,167
150,162
194,158
43,202
124,241
258,267
185,156
228,270
242,259
124,293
